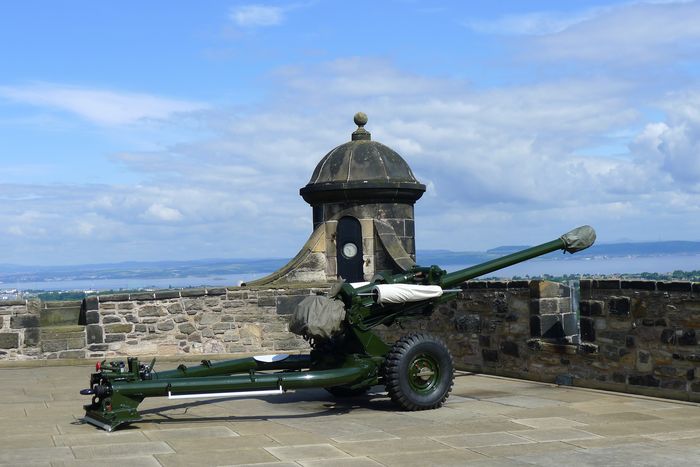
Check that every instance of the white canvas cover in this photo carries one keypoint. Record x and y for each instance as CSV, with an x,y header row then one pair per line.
x,y
402,293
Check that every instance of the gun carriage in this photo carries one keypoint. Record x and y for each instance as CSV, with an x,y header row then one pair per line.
x,y
346,358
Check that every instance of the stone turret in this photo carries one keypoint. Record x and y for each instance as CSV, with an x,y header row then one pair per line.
x,y
362,195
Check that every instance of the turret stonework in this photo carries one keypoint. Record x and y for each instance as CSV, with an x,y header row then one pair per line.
x,y
362,195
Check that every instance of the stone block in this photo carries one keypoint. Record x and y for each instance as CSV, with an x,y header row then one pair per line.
x,y
94,333
165,294
24,321
91,303
118,328
207,319
510,348
198,292
619,378
619,306
688,337
111,319
644,362
92,317
115,338
54,345
98,347
168,325
9,340
546,289
591,308
607,284
194,337
643,380
267,300
638,285
551,326
32,337
75,342
674,286
186,328
585,286
251,330
668,336
72,354
151,310
489,355
467,323
119,297
665,370
673,384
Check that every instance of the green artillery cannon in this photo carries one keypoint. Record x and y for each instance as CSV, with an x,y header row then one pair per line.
x,y
347,358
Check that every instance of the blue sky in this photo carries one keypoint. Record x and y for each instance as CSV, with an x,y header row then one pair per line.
x,y
183,130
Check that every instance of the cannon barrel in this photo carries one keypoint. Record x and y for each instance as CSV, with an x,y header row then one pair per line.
x,y
573,241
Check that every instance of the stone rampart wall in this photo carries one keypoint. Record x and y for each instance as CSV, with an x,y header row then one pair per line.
x,y
168,322
635,336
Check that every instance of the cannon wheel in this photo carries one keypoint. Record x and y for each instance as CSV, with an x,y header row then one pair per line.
x,y
419,372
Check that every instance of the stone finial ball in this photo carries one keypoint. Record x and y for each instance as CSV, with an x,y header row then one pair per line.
x,y
360,119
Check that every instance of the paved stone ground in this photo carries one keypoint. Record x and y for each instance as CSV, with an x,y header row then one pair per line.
x,y
487,421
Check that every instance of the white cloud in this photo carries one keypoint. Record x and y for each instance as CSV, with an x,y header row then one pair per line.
x,y
99,106
630,34
498,162
627,33
257,15
537,23
163,213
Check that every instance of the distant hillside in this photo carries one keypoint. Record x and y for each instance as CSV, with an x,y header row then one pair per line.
x,y
425,257
10,273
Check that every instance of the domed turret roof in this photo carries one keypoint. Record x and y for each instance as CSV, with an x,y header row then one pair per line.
x,y
362,170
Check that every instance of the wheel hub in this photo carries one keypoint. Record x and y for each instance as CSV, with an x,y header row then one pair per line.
x,y
423,373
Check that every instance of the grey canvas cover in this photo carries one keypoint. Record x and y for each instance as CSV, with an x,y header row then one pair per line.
x,y
579,238
317,317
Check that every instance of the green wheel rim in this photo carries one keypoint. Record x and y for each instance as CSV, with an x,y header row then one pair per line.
x,y
423,373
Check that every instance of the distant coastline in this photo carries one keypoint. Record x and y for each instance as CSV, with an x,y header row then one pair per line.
x,y
605,259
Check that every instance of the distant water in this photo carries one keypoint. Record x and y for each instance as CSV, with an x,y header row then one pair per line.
x,y
597,265
135,283
554,267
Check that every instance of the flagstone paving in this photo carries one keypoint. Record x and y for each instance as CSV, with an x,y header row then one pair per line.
x,y
487,421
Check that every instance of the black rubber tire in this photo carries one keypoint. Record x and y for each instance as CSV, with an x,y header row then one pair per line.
x,y
343,391
419,372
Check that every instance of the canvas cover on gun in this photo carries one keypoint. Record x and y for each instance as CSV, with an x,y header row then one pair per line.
x,y
317,317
